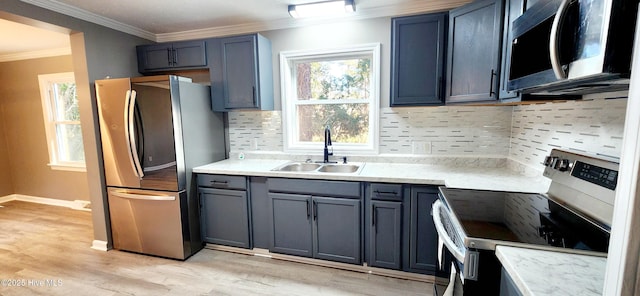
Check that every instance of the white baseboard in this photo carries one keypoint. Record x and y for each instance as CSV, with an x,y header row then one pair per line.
x,y
81,205
99,245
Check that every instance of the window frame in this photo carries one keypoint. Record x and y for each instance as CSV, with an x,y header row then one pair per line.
x,y
290,101
45,81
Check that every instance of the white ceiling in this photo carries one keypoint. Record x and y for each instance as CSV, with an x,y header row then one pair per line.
x,y
169,16
22,41
169,20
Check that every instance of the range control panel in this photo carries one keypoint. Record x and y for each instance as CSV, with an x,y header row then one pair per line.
x,y
584,182
597,175
593,170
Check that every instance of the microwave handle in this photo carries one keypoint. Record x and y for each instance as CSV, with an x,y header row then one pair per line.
x,y
554,43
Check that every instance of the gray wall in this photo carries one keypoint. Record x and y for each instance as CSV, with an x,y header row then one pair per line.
x,y
326,36
97,52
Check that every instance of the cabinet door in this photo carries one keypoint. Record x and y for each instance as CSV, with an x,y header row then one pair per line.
x,y
337,229
423,239
189,54
385,233
239,75
225,217
151,57
291,224
473,59
507,286
417,55
512,10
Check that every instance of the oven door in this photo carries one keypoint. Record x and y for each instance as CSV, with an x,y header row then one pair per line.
x,y
477,271
450,235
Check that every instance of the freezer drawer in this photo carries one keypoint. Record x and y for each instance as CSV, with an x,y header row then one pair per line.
x,y
148,222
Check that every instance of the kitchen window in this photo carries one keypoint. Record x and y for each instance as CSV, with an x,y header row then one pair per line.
x,y
62,121
338,88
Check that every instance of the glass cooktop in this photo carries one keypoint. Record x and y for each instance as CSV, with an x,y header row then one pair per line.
x,y
526,218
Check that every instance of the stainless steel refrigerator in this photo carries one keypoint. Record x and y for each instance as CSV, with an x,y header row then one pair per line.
x,y
154,130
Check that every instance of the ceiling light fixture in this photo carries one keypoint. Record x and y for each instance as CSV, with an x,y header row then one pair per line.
x,y
318,9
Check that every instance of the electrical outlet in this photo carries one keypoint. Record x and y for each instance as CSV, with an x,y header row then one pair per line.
x,y
421,147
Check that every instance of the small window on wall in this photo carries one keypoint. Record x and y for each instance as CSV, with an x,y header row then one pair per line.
x,y
336,88
62,121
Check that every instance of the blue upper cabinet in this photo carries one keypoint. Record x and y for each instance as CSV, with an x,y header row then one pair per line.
x,y
172,56
417,55
241,73
512,10
473,58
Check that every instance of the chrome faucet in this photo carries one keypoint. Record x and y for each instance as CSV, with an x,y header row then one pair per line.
x,y
327,144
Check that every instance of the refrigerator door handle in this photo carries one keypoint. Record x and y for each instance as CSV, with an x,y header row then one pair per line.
x,y
133,149
127,136
124,194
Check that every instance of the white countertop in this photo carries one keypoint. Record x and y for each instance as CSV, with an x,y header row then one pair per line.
x,y
537,272
492,178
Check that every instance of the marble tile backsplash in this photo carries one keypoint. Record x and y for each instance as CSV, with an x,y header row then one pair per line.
x,y
446,131
593,126
450,130
255,131
453,134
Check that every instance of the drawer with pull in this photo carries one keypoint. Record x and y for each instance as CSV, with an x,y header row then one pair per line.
x,y
392,192
222,181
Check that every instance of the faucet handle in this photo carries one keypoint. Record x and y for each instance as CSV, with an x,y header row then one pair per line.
x,y
344,160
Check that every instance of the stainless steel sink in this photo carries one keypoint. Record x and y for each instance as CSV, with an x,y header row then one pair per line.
x,y
339,168
310,167
299,167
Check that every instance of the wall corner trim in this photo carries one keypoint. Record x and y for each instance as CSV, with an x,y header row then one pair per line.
x,y
99,245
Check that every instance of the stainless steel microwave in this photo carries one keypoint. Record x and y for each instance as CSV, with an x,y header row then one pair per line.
x,y
572,46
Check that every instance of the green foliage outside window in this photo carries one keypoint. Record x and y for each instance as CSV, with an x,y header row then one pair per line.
x,y
334,83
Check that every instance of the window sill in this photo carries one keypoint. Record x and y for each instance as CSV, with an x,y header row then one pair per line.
x,y
71,168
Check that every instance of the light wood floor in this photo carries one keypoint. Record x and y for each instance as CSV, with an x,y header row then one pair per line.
x,y
40,242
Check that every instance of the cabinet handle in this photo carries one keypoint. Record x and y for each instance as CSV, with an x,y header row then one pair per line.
x,y
308,213
373,216
491,92
175,57
315,210
385,192
219,182
170,56
254,95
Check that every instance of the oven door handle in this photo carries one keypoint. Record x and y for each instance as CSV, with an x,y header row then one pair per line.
x,y
442,233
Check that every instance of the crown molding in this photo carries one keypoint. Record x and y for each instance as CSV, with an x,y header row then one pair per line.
x,y
383,11
91,17
415,7
35,54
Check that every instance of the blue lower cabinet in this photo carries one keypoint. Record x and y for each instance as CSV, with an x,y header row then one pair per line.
x,y
304,222
421,239
336,229
319,227
507,286
225,217
291,224
385,230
